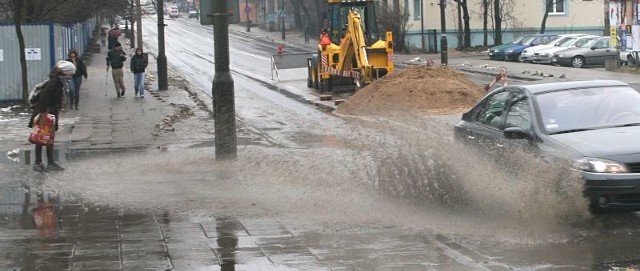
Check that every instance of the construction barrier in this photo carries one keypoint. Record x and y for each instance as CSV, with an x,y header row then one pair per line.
x,y
288,61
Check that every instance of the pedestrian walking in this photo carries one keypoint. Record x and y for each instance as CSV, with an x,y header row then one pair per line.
x,y
49,101
76,80
138,65
114,34
307,33
115,61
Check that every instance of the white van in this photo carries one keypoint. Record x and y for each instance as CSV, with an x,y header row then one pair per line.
x,y
173,12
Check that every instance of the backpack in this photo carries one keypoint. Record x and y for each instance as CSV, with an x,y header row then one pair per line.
x,y
34,94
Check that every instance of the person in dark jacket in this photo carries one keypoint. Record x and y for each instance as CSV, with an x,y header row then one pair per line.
x,y
76,81
115,60
138,65
50,101
113,34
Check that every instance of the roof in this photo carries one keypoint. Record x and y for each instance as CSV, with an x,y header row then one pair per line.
x,y
551,87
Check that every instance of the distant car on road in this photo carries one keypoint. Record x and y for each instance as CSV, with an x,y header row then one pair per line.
x,y
595,52
174,12
193,14
591,125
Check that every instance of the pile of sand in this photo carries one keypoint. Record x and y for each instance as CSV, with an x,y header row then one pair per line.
x,y
417,89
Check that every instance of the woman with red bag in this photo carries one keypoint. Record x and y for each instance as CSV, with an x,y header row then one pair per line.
x,y
50,102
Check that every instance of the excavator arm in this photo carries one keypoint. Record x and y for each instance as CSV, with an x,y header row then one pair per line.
x,y
354,47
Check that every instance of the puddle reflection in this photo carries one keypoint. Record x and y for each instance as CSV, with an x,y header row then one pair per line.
x,y
32,208
227,243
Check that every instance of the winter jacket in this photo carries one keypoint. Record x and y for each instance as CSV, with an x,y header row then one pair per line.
x,y
116,58
81,68
50,99
138,63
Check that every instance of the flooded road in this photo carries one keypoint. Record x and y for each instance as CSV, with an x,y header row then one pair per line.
x,y
309,191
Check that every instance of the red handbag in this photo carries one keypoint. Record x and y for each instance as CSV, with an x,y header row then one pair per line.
x,y
42,132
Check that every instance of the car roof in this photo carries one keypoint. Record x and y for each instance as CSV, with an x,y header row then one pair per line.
x,y
552,87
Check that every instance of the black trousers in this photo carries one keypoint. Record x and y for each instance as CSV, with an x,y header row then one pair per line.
x,y
39,154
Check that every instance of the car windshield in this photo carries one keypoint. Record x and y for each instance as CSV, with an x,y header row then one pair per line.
x,y
567,42
588,43
581,42
557,41
517,41
527,40
588,108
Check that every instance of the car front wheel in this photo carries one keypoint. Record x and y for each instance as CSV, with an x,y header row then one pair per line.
x,y
577,62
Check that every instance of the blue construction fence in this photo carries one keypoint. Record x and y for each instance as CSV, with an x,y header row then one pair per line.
x,y
45,45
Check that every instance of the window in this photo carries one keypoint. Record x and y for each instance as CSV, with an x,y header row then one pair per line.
x,y
602,44
555,6
491,112
519,114
417,9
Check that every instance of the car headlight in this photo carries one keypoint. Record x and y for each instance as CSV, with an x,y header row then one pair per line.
x,y
599,165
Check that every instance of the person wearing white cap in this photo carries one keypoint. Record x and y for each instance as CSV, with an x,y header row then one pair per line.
x,y
50,101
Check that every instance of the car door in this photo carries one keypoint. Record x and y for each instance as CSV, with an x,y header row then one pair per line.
x,y
601,52
483,128
518,114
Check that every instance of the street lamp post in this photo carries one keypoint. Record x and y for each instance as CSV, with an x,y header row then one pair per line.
x,y
282,17
139,24
224,114
162,58
247,10
443,34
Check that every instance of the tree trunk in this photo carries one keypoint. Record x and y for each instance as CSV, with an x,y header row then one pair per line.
x,y
485,23
497,17
547,6
297,18
607,24
467,26
18,11
460,30
322,17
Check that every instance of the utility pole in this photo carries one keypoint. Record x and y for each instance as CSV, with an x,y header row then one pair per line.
x,y
422,23
443,34
139,24
282,17
224,115
162,58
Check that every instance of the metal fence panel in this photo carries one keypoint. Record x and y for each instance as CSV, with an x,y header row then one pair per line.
x,y
39,58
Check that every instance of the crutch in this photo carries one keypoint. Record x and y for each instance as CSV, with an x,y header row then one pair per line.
x,y
106,82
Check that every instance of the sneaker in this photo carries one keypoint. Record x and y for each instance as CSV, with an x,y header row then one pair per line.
x,y
122,94
141,96
53,166
77,108
39,167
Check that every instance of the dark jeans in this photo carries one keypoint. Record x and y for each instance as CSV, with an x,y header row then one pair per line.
x,y
74,91
39,154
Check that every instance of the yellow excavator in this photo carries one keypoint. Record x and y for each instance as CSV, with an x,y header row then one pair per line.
x,y
353,53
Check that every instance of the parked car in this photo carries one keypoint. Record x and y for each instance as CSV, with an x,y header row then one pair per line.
x,y
514,52
544,56
591,125
594,52
626,57
527,54
497,52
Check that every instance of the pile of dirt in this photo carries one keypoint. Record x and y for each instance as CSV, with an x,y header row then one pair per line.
x,y
417,89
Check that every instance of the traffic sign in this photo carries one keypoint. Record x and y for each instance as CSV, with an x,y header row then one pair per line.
x,y
282,13
247,9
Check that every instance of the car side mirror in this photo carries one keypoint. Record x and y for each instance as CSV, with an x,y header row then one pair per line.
x,y
594,47
517,133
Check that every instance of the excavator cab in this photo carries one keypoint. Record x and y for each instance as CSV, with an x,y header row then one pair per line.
x,y
338,20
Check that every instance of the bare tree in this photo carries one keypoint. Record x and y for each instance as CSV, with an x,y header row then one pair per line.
x,y
485,19
17,10
497,22
464,9
395,19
